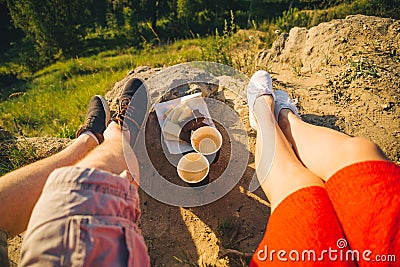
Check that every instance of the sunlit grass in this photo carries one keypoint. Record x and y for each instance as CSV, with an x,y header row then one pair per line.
x,y
55,101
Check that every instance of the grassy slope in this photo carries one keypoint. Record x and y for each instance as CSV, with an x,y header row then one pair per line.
x,y
55,100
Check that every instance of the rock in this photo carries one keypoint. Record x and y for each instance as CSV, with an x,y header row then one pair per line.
x,y
46,146
141,69
325,89
385,106
141,72
33,148
178,81
206,89
315,46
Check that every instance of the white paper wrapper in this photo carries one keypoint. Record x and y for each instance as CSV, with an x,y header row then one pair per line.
x,y
194,101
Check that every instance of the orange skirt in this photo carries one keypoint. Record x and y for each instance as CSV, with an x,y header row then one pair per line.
x,y
353,221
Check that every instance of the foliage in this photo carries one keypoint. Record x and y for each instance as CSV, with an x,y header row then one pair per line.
x,y
66,29
297,65
219,48
292,18
227,232
9,77
236,49
248,47
55,26
53,102
362,68
381,8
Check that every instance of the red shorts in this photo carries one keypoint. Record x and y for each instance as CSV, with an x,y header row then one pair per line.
x,y
353,221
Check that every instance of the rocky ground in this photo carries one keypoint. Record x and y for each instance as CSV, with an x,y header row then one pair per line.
x,y
345,74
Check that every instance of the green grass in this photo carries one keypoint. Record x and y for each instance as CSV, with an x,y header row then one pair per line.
x,y
54,101
362,68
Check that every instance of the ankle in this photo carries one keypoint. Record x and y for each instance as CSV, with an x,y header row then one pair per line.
x,y
89,140
113,132
266,99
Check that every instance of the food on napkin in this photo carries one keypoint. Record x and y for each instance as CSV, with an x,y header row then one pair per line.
x,y
179,125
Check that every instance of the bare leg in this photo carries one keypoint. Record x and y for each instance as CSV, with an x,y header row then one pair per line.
x,y
287,174
20,189
323,150
109,155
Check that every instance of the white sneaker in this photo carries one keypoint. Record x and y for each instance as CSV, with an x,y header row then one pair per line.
x,y
283,100
260,84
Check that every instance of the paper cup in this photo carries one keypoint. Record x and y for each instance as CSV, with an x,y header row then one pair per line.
x,y
207,141
193,168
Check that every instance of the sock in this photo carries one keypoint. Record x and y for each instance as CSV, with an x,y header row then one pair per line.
x,y
92,135
113,122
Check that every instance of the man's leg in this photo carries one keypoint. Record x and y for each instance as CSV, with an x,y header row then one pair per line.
x,y
20,189
130,117
87,213
109,156
87,216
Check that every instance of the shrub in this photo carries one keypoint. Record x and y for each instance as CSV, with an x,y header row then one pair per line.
x,y
219,47
293,18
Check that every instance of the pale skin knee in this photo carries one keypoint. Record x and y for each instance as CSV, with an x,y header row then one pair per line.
x,y
355,150
362,149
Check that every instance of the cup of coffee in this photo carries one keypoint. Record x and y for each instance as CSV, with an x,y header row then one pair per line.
x,y
207,141
193,168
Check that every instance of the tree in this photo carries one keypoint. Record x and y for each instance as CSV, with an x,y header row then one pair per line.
x,y
4,26
184,10
153,13
55,26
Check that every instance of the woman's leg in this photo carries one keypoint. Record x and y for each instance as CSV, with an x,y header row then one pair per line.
x,y
303,223
286,174
362,184
325,151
